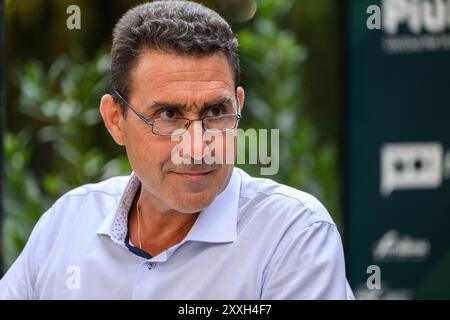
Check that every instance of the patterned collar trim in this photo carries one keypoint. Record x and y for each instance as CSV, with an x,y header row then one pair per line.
x,y
119,227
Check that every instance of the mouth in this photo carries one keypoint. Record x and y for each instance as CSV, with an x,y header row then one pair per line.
x,y
194,175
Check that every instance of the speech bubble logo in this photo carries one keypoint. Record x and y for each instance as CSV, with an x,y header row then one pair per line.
x,y
410,166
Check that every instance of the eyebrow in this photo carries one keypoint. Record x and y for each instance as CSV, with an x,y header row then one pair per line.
x,y
164,104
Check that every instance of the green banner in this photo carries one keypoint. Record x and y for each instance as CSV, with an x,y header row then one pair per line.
x,y
398,148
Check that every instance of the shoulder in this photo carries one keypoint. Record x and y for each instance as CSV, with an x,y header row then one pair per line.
x,y
86,205
99,192
279,205
113,186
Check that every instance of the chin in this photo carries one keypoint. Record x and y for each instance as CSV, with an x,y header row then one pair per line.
x,y
192,202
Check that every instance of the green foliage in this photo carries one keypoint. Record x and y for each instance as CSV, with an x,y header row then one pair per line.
x,y
63,143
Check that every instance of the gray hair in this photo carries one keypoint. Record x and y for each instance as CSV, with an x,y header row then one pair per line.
x,y
182,27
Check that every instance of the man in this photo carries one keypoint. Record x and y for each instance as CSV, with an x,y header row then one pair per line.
x,y
178,231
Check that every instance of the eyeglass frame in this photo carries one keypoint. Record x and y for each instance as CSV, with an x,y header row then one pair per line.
x,y
151,123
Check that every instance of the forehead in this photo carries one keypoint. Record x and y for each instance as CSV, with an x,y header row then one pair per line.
x,y
158,74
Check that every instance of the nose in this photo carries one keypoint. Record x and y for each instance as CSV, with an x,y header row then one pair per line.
x,y
197,143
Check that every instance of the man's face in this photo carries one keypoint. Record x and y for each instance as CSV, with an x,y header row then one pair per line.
x,y
163,86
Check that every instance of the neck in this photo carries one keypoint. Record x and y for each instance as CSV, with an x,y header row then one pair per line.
x,y
159,229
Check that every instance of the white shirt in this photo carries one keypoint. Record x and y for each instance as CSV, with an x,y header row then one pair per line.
x,y
257,240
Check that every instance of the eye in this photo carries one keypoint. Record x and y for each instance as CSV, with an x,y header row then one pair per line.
x,y
167,114
215,111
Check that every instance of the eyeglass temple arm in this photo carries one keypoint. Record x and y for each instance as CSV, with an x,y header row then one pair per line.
x,y
238,114
132,109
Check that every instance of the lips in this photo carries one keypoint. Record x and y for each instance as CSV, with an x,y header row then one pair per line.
x,y
193,175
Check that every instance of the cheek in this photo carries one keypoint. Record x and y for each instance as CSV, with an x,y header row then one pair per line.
x,y
153,153
148,151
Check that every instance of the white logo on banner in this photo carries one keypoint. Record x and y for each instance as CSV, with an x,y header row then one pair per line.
x,y
427,23
412,166
384,293
393,247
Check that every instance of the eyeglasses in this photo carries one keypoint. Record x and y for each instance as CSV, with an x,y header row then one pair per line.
x,y
178,126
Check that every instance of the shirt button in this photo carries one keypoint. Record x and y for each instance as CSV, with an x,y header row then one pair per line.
x,y
151,265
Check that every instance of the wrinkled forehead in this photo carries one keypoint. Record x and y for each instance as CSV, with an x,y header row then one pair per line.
x,y
158,74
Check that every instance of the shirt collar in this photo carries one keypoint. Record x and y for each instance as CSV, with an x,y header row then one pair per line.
x,y
115,223
216,223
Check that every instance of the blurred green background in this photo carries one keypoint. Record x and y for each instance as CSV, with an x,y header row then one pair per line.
x,y
55,139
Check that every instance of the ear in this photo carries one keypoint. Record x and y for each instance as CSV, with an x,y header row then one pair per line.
x,y
112,116
241,97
